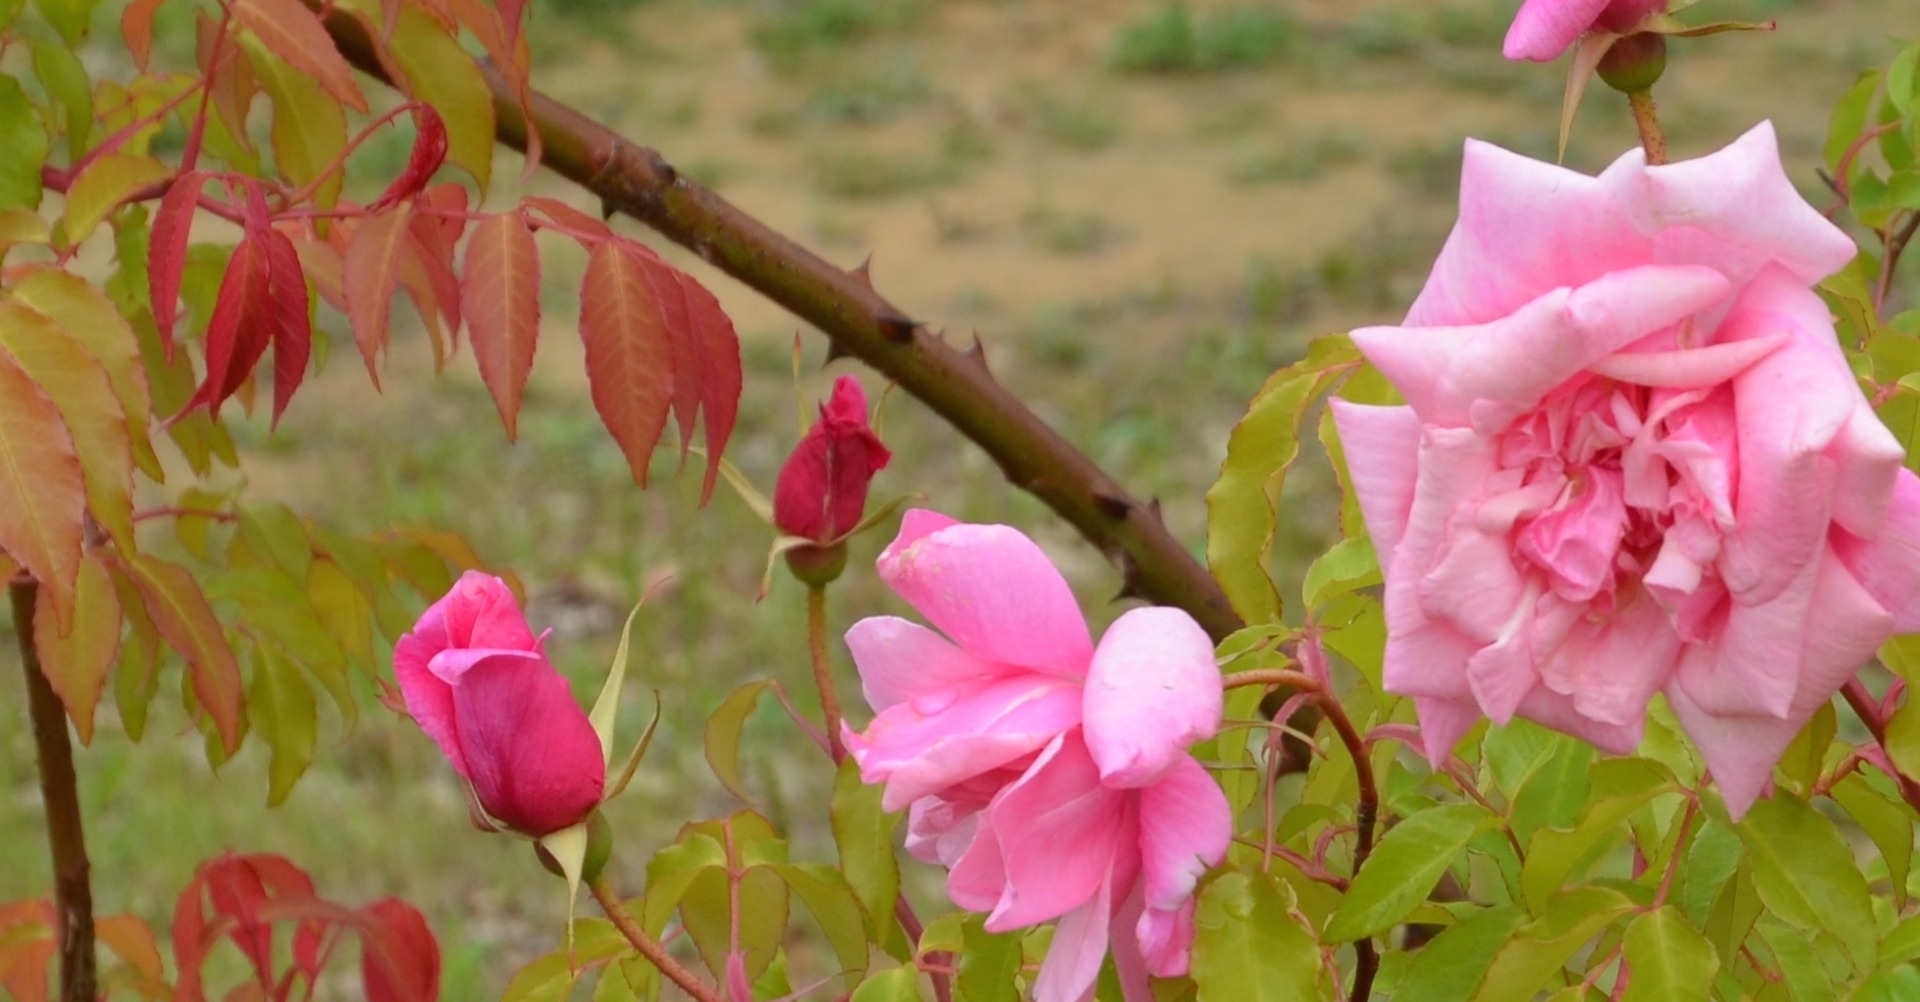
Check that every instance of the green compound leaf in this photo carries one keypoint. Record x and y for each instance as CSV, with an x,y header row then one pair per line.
x,y
1450,968
1805,875
1669,958
863,833
1404,868
1528,962
1248,945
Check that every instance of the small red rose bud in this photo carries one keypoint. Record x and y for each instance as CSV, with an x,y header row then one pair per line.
x,y
822,490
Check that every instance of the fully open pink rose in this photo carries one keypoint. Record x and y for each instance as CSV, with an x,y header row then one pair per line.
x,y
1544,28
1633,460
1050,775
476,681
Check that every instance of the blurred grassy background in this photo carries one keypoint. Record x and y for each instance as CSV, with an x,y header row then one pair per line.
x,y
1141,207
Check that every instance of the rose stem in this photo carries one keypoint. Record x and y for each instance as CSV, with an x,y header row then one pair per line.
x,y
823,669
652,949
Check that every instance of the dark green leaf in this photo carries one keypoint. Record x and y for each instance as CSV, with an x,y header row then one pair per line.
x,y
1450,968
1804,872
863,833
1404,868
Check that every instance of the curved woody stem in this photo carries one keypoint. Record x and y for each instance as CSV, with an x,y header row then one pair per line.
x,y
861,323
654,950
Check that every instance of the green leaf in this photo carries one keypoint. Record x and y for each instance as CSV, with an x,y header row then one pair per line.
x,y
1734,912
706,909
833,906
989,963
672,869
1902,944
1529,961
1887,821
71,18
723,735
550,978
278,610
1554,852
1800,967
1805,874
1450,968
65,79
1404,868
435,70
137,675
632,979
1241,505
895,984
863,834
1895,984
309,130
1669,958
1711,858
280,707
1350,565
1248,947
1554,791
25,141
1850,117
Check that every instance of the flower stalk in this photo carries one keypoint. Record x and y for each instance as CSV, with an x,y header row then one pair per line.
x,y
650,948
823,669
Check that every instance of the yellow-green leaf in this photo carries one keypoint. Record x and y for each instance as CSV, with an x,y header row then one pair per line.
x,y
43,496
78,386
103,185
91,319
280,706
181,615
25,140
435,70
309,126
75,661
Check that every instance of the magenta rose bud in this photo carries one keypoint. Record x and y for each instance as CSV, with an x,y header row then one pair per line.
x,y
1544,28
476,681
1633,461
822,490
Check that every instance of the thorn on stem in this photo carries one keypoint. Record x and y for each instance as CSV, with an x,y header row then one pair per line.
x,y
864,272
895,327
1114,506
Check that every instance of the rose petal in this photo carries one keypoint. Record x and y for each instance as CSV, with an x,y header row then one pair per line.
x,y
1185,825
993,591
1382,446
899,660
429,700
1153,689
1544,28
536,763
1060,833
1079,945
1888,565
936,740
481,611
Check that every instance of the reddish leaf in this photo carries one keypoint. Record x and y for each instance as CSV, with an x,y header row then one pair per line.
x,y
241,327
429,152
578,223
75,661
181,614
629,352
399,958
706,361
292,326
500,292
26,948
433,236
369,271
136,26
721,380
294,33
131,940
234,896
43,498
167,250
321,262
231,82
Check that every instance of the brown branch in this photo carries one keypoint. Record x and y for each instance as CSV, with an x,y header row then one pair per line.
x,y
860,323
60,792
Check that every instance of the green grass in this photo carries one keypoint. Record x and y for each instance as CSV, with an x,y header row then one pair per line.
x,y
1171,39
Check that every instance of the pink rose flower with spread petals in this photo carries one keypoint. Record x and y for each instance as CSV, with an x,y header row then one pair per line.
x,y
1544,28
1049,775
476,681
1633,460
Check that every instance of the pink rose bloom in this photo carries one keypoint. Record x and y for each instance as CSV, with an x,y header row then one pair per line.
x,y
1633,460
475,680
1050,775
1544,28
822,490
